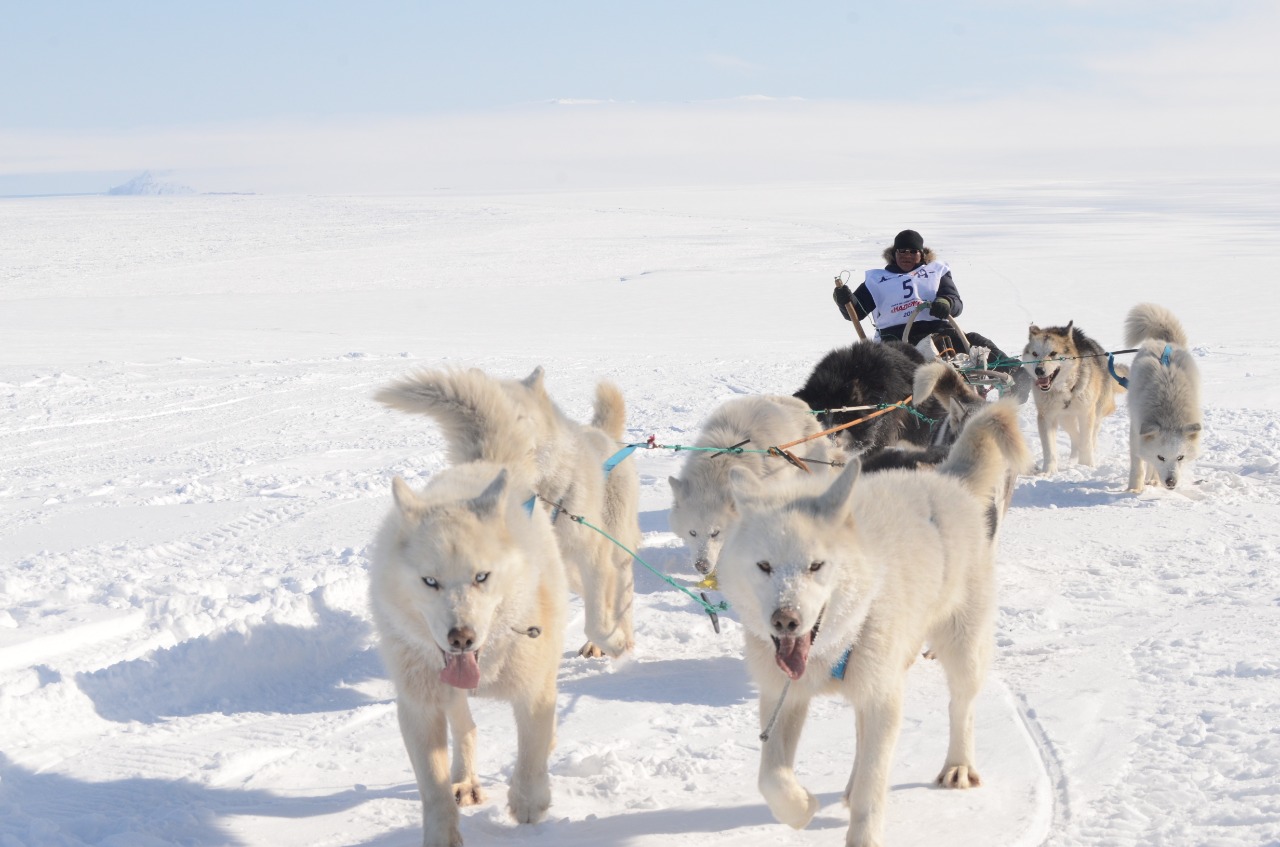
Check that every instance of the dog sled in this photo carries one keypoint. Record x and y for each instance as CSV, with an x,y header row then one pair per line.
x,y
972,361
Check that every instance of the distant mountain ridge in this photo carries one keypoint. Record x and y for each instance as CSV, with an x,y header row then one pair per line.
x,y
146,183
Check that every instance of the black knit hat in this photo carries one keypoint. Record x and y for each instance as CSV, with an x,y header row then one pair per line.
x,y
908,239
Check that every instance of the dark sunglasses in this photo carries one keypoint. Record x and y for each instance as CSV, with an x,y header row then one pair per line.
x,y
903,252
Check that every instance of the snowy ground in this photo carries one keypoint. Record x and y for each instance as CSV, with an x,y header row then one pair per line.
x,y
191,471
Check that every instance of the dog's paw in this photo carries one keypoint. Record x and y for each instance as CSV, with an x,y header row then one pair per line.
x,y
590,651
959,776
529,800
614,646
792,804
468,793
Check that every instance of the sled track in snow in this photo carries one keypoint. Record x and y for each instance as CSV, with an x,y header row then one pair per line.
x,y
1059,794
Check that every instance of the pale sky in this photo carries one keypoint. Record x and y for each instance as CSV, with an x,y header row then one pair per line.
x,y
220,88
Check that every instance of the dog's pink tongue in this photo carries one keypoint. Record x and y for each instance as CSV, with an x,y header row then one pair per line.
x,y
461,670
793,655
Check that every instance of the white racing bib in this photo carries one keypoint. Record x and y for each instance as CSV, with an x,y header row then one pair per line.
x,y
897,294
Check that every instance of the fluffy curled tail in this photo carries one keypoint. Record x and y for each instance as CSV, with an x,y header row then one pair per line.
x,y
610,410
941,379
480,421
1147,320
990,453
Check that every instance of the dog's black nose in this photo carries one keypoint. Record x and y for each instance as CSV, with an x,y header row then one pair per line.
x,y
462,638
703,566
785,622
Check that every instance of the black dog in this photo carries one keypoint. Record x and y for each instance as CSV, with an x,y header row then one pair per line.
x,y
869,373
904,458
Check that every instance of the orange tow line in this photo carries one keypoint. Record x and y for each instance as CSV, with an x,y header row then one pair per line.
x,y
781,449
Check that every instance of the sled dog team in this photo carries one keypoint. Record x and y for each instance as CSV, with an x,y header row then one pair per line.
x,y
471,574
1075,391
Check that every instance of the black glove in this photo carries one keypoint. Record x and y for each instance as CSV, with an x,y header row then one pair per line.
x,y
843,298
941,308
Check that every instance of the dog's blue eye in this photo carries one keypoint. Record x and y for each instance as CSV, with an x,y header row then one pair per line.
x,y
816,566
481,577
430,582
765,566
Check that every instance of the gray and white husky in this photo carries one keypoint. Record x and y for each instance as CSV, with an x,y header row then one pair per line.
x,y
568,462
839,583
1165,418
701,508
468,594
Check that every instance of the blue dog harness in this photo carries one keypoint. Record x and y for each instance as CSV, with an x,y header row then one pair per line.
x,y
616,459
838,669
1124,382
609,464
1111,366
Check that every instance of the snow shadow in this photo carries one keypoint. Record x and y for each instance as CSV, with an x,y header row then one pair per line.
x,y
655,521
676,562
55,810
683,825
713,681
1068,493
269,668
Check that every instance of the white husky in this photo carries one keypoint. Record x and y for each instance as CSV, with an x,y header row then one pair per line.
x,y
838,586
1164,398
568,460
468,594
701,508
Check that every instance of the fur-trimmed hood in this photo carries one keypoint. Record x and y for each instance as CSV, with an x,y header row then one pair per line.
x,y
925,258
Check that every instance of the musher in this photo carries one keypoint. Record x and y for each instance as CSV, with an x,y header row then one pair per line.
x,y
913,275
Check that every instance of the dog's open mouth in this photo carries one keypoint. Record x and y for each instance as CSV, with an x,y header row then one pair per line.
x,y
1044,383
792,654
461,670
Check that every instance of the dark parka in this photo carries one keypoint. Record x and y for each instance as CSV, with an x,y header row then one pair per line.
x,y
925,324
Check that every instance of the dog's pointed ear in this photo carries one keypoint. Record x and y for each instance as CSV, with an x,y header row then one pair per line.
x,y
835,500
744,488
488,501
406,498
1033,330
677,487
1192,430
534,381
1149,431
927,379
956,411
1070,324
